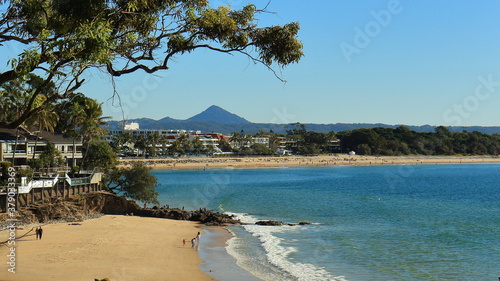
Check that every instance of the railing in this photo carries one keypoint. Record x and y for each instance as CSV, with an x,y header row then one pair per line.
x,y
38,184
84,180
78,181
94,177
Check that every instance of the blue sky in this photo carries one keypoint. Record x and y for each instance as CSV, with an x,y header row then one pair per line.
x,y
391,61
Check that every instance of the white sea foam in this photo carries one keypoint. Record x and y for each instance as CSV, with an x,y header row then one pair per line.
x,y
244,218
277,253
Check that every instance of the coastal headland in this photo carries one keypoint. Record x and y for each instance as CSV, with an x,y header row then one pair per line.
x,y
113,246
302,161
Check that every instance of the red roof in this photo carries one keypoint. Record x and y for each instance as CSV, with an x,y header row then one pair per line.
x,y
217,136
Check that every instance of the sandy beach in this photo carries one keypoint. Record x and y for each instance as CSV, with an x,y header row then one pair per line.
x,y
115,247
202,163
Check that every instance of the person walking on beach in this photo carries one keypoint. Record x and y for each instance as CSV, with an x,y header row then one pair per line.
x,y
40,232
37,232
193,242
183,242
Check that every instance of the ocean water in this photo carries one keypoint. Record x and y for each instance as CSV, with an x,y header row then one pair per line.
x,y
393,222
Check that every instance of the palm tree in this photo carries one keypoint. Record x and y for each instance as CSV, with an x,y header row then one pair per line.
x,y
185,143
122,139
176,148
235,138
141,144
15,98
154,139
91,128
81,117
274,142
198,146
45,119
164,141
261,133
28,98
11,101
247,140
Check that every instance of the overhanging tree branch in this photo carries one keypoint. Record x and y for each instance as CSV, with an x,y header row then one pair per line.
x,y
128,36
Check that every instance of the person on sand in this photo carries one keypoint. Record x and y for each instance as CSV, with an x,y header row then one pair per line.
x,y
198,236
183,242
193,242
37,232
40,232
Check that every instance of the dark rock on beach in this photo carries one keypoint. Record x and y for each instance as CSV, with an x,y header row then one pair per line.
x,y
202,215
80,207
279,223
270,223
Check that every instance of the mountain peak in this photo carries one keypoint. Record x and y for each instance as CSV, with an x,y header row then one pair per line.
x,y
216,114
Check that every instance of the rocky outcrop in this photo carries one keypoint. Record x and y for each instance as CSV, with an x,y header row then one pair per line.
x,y
279,223
107,203
77,208
202,215
270,223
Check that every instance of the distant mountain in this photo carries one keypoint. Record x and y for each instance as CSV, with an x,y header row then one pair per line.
x,y
217,119
168,119
218,115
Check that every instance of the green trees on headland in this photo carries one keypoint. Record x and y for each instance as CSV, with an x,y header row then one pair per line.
x,y
403,141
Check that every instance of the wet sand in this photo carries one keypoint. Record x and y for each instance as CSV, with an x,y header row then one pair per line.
x,y
218,262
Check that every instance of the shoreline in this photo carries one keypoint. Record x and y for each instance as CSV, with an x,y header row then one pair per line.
x,y
203,163
218,263
112,246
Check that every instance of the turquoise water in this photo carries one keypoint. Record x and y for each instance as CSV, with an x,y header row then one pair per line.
x,y
408,222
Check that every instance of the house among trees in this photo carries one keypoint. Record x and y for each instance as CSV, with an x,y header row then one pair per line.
x,y
20,147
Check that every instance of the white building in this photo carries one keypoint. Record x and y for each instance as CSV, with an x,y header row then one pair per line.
x,y
168,136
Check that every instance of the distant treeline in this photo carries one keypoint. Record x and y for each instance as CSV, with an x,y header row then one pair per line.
x,y
253,128
403,141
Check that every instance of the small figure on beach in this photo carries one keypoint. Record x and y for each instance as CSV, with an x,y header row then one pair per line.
x,y
198,236
183,242
40,232
193,242
37,232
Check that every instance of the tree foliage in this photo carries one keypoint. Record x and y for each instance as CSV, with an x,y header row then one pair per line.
x,y
135,182
309,142
403,141
61,40
100,154
50,157
81,117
